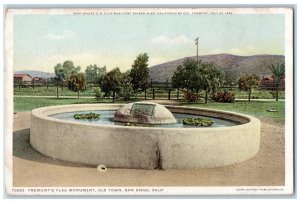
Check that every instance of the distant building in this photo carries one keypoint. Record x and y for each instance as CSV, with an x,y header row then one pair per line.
x,y
268,83
37,79
22,78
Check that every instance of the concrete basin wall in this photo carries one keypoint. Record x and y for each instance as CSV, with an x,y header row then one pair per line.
x,y
143,147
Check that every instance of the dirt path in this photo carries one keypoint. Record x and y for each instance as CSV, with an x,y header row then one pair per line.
x,y
31,168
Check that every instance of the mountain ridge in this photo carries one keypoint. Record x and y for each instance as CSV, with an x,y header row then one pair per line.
x,y
35,73
254,64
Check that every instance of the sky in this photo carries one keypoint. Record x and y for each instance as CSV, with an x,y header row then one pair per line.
x,y
42,41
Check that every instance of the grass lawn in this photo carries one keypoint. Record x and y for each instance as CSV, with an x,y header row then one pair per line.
x,y
51,91
255,108
27,103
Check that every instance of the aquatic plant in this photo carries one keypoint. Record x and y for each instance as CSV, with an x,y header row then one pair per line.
x,y
198,122
90,115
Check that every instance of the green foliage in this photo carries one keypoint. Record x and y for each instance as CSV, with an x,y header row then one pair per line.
x,y
211,77
59,74
69,69
248,82
98,94
88,116
230,77
139,72
224,96
278,71
187,76
126,86
204,122
196,76
76,82
191,96
112,81
95,74
63,72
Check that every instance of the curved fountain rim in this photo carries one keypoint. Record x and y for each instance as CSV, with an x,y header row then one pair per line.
x,y
38,112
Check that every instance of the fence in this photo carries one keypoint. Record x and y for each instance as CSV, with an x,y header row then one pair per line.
x,y
155,90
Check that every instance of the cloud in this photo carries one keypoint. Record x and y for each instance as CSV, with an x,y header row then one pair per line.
x,y
248,50
66,34
84,59
181,39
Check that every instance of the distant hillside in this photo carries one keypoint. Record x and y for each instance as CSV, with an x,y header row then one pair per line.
x,y
239,64
34,73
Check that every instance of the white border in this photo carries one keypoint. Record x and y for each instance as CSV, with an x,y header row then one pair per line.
x,y
167,190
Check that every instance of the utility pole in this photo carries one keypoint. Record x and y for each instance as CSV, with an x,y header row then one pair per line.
x,y
196,42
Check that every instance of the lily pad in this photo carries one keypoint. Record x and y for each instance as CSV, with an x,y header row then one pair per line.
x,y
88,116
204,122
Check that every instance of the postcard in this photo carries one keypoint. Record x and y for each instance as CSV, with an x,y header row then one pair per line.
x,y
149,101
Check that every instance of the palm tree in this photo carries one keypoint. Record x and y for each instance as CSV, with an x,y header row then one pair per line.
x,y
278,71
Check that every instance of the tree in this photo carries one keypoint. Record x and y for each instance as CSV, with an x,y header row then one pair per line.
x,y
210,78
69,69
194,76
112,82
230,77
98,94
278,71
76,82
187,76
126,86
95,74
139,72
182,77
59,74
59,77
63,72
247,83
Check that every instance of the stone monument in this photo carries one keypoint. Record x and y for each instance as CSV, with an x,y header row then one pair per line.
x,y
145,113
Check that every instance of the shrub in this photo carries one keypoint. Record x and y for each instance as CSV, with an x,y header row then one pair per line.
x,y
126,91
98,94
191,96
225,96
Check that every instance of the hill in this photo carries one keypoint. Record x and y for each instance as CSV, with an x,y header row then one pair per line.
x,y
34,73
241,65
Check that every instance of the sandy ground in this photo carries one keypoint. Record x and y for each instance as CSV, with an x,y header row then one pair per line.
x,y
31,168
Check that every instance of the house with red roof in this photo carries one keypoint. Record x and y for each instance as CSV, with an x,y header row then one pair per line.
x,y
22,78
268,83
37,79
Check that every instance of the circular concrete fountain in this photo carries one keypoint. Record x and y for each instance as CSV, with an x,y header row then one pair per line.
x,y
144,147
